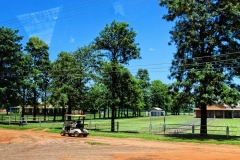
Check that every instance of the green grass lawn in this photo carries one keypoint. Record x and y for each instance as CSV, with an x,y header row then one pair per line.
x,y
16,117
219,125
128,126
140,124
225,122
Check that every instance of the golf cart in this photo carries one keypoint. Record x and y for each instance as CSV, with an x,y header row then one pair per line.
x,y
74,127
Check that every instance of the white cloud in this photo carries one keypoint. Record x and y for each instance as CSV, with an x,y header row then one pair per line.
x,y
152,49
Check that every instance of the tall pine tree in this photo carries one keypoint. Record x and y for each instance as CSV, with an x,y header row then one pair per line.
x,y
206,34
10,60
117,44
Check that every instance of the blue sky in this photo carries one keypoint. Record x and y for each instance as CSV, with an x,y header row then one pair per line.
x,y
67,25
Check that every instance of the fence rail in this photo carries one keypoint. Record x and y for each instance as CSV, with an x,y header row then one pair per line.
x,y
16,118
195,130
167,129
137,127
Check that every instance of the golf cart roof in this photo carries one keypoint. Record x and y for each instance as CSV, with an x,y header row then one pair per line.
x,y
74,115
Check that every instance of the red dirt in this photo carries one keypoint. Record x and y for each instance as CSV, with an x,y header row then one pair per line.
x,y
40,145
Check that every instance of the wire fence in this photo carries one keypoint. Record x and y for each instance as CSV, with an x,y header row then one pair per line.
x,y
27,118
191,128
180,129
167,129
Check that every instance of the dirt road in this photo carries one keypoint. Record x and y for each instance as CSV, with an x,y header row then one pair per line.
x,y
40,145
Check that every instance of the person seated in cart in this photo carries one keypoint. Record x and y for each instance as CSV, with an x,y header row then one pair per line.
x,y
79,125
74,124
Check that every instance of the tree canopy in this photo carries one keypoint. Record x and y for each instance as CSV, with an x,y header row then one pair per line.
x,y
10,60
117,44
159,95
144,83
206,34
38,69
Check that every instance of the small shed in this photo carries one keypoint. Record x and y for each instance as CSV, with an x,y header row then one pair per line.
x,y
156,111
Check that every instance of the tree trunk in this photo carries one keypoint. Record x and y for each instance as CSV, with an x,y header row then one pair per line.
x,y
203,130
108,111
104,112
121,105
114,82
23,111
45,105
54,114
34,105
7,110
113,118
69,112
63,112
23,108
45,112
119,110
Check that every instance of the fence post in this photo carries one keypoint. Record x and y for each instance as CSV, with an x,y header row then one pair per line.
x,y
150,127
21,121
164,128
9,120
117,126
227,131
15,119
2,118
39,121
193,129
90,125
27,120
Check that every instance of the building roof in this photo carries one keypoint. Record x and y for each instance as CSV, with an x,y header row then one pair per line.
x,y
155,109
39,106
220,108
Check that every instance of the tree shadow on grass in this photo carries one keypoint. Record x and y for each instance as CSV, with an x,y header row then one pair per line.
x,y
108,131
202,138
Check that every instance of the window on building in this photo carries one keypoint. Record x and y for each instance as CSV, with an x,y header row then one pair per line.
x,y
238,113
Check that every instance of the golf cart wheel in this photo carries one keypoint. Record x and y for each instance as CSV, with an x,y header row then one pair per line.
x,y
85,135
62,133
76,134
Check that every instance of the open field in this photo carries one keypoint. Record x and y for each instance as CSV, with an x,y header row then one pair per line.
x,y
138,124
38,145
34,141
139,128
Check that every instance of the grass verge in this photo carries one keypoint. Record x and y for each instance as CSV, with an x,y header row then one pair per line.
x,y
97,143
213,139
